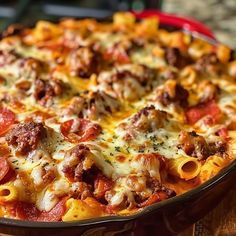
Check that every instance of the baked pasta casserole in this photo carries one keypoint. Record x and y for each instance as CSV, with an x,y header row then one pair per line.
x,y
106,118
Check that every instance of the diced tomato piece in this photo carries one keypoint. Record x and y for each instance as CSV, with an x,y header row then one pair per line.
x,y
223,133
28,211
195,113
107,55
85,130
65,127
122,58
4,168
156,197
116,55
101,185
7,118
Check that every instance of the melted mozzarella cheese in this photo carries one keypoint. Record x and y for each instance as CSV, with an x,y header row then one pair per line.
x,y
46,200
116,157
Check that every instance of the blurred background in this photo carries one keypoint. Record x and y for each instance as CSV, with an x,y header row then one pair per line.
x,y
219,15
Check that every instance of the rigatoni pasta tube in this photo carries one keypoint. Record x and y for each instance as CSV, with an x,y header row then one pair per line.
x,y
185,167
82,209
7,193
212,166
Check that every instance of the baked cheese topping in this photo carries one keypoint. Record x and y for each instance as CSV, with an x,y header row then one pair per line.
x,y
102,119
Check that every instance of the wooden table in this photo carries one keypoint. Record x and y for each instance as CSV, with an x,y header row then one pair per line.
x,y
220,222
